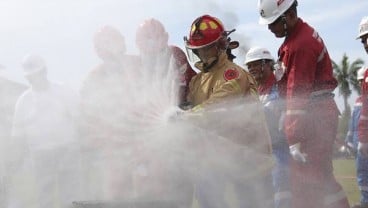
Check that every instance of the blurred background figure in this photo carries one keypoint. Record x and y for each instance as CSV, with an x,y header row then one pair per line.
x,y
9,93
107,147
352,141
158,57
363,121
44,131
260,64
164,73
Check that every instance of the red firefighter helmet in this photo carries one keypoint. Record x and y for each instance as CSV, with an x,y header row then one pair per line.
x,y
151,36
204,31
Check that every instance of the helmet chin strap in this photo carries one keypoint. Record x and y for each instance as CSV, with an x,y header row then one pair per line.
x,y
262,69
210,63
283,20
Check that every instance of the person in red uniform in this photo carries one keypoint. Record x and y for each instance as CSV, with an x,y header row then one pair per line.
x,y
311,114
363,122
155,51
103,134
156,176
363,119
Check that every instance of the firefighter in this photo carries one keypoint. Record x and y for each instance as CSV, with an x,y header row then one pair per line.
x,y
44,130
260,64
156,176
363,121
221,81
306,85
107,146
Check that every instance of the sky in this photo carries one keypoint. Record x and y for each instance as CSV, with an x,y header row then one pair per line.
x,y
61,30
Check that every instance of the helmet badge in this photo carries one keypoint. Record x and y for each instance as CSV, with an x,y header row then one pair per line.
x,y
262,13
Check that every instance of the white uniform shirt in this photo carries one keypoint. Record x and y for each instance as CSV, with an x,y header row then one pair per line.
x,y
46,119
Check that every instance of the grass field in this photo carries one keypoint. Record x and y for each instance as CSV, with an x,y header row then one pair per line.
x,y
344,170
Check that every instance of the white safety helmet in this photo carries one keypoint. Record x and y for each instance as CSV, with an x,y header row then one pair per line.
x,y
360,73
363,27
257,53
33,64
270,10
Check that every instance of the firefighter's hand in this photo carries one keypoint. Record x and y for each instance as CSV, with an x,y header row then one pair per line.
x,y
297,154
363,149
173,114
351,149
185,106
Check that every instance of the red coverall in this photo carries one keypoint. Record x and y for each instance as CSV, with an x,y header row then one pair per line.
x,y
311,117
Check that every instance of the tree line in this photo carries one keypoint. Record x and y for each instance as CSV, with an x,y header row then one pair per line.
x,y
346,74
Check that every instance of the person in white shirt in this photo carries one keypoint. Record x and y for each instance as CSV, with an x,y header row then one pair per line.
x,y
43,128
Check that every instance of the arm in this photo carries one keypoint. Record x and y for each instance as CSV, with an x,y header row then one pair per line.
x,y
18,143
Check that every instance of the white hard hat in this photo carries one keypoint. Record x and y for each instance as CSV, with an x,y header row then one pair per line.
x,y
360,73
270,10
363,27
257,53
33,64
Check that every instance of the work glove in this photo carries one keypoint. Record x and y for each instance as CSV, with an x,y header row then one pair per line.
x,y
297,154
279,70
185,106
363,149
351,149
350,145
173,114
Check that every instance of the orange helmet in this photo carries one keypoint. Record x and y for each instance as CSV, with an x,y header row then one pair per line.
x,y
204,31
151,36
108,42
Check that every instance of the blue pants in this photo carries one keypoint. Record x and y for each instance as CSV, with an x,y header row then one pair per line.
x,y
361,165
280,175
362,177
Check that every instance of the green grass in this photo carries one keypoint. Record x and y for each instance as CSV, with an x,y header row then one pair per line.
x,y
345,173
344,170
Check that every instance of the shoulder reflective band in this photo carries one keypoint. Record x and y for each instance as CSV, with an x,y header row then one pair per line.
x,y
295,112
